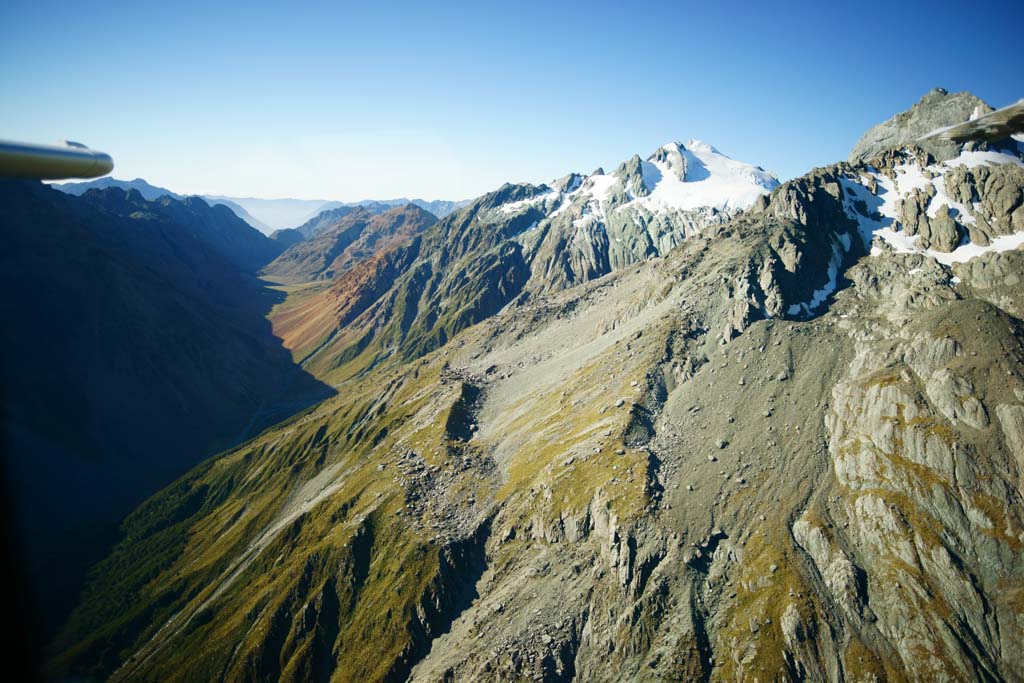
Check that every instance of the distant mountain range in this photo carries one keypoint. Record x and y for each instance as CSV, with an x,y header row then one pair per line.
x,y
214,225
141,186
352,237
323,220
242,213
266,215
276,214
291,213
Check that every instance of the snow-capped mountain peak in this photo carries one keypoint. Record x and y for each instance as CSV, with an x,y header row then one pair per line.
x,y
678,176
586,226
695,174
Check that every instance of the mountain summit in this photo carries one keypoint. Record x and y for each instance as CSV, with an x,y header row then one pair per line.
x,y
695,174
937,109
679,176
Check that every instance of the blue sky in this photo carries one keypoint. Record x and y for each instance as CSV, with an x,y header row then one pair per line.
x,y
350,101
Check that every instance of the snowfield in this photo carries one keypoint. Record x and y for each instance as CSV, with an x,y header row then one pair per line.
x,y
707,178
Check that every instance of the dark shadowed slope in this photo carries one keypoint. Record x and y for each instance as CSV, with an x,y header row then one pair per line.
x,y
153,192
242,213
215,226
132,347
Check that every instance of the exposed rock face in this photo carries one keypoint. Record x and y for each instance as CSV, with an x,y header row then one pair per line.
x,y
938,232
943,233
927,484
997,280
913,212
996,194
787,448
937,109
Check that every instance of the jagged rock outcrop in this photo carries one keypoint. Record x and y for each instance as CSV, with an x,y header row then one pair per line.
x,y
994,193
935,110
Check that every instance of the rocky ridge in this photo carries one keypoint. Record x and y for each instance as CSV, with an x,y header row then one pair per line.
x,y
937,109
213,225
338,244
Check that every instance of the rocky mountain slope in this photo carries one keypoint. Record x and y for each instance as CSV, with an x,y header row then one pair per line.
x,y
589,432
937,109
323,220
518,241
287,236
134,345
340,244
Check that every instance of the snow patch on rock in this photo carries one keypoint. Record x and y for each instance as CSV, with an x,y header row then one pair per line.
x,y
877,212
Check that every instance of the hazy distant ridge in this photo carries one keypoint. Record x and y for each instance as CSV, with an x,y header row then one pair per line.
x,y
266,215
